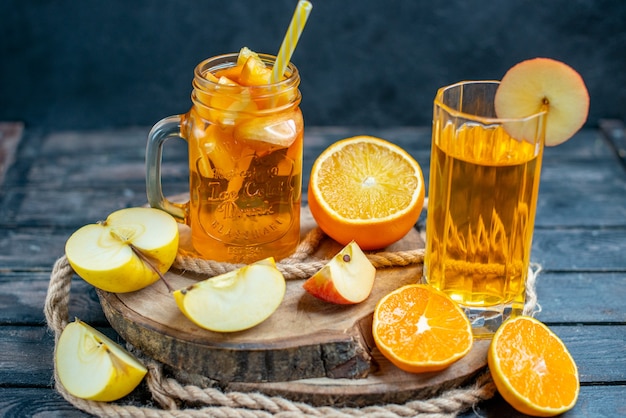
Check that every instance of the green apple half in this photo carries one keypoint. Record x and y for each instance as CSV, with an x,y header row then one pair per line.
x,y
91,366
234,301
348,278
127,252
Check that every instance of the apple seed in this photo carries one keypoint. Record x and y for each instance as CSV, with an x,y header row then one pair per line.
x,y
148,261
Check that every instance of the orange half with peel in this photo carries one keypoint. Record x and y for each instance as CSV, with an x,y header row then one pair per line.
x,y
532,368
366,189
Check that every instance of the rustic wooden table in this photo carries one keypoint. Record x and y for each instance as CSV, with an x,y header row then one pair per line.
x,y
51,183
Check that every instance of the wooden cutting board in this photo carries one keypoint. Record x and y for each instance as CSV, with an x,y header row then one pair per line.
x,y
308,350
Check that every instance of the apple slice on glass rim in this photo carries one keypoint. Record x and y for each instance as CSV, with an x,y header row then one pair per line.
x,y
543,83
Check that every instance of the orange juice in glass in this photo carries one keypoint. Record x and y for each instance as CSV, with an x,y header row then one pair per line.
x,y
482,200
245,137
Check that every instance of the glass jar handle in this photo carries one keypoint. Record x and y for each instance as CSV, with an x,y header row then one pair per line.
x,y
162,131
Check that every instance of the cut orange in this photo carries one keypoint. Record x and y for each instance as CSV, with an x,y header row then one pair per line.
x,y
255,72
420,329
532,368
366,189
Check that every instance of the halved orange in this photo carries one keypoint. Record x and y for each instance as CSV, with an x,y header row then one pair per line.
x,y
420,329
366,189
532,368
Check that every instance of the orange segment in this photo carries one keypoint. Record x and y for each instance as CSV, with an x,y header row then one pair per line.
x,y
244,54
366,189
532,368
420,329
230,72
221,103
255,72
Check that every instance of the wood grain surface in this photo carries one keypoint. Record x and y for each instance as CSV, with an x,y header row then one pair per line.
x,y
59,181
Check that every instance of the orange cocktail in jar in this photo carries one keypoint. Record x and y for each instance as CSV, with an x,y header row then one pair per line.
x,y
246,163
244,135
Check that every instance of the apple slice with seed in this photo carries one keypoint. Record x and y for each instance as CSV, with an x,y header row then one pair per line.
x,y
348,278
533,84
128,251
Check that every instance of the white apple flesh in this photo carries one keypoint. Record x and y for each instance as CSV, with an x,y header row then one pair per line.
x,y
234,301
127,252
348,278
92,366
544,83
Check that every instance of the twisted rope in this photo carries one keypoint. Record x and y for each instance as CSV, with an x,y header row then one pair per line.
x,y
170,394
299,265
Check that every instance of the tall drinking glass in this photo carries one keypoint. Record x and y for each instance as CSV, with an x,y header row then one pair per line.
x,y
484,182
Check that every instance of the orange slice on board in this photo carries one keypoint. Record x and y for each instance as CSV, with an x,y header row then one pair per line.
x,y
420,329
366,189
532,368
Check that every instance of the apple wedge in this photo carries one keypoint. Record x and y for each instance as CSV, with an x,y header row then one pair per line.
x,y
234,301
348,278
127,252
92,366
276,131
539,83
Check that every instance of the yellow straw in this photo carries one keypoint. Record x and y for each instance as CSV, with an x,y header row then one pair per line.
x,y
298,20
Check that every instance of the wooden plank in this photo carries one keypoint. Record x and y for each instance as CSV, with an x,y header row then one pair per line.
x,y
587,144
582,297
32,402
27,359
58,183
615,133
566,203
10,137
69,207
598,250
93,156
26,354
598,350
32,249
22,297
88,144
566,250
585,298
574,205
593,402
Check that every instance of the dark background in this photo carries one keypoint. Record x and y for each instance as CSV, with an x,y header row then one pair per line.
x,y
88,64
